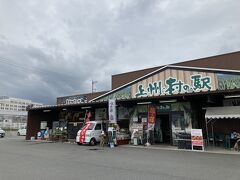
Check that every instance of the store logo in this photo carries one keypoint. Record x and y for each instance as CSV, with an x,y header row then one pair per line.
x,y
75,100
174,86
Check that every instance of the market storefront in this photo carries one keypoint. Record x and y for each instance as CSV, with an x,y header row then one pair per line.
x,y
63,120
179,97
171,118
161,107
222,124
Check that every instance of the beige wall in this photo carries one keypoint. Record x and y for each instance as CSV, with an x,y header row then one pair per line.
x,y
184,76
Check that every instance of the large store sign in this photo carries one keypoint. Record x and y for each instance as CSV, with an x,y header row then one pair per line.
x,y
175,81
174,86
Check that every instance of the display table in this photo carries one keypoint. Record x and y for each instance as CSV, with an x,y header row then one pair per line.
x,y
123,141
62,138
123,138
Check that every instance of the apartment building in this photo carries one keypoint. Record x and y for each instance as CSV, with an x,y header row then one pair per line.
x,y
16,104
13,112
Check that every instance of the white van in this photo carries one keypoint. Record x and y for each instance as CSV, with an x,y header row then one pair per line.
x,y
90,133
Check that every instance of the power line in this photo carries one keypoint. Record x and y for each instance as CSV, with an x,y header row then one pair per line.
x,y
6,61
34,69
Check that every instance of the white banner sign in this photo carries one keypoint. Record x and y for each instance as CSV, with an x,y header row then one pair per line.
x,y
197,138
112,111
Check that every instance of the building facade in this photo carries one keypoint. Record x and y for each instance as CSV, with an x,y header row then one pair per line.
x,y
174,99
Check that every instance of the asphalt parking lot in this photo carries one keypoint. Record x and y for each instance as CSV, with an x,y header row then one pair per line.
x,y
20,159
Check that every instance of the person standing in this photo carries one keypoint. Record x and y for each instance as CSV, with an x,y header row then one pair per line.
x,y
46,134
237,144
102,138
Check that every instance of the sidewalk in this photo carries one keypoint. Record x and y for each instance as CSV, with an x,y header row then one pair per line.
x,y
213,150
39,141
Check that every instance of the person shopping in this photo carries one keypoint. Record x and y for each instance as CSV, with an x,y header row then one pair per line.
x,y
102,140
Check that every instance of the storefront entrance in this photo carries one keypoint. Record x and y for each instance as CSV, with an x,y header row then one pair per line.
x,y
73,128
162,129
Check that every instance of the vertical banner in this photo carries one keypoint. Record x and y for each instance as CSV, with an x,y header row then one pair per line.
x,y
88,116
112,111
151,116
197,139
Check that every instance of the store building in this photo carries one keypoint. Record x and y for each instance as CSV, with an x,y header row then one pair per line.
x,y
181,97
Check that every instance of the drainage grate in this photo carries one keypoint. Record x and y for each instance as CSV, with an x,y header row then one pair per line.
x,y
94,149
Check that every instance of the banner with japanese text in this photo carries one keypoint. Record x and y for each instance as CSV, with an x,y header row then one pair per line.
x,y
172,81
151,116
112,111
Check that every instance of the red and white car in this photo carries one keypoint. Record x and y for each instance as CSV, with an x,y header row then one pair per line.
x,y
90,133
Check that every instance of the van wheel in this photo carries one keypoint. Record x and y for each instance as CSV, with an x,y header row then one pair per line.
x,y
92,142
79,143
18,134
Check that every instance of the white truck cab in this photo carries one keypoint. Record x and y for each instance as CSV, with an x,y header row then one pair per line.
x,y
90,133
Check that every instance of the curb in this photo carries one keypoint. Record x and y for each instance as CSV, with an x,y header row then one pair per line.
x,y
40,141
184,150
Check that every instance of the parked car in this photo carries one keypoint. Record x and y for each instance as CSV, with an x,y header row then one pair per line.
x,y
2,133
91,133
22,132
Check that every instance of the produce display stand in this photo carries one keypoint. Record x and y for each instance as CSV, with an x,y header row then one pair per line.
x,y
123,141
59,135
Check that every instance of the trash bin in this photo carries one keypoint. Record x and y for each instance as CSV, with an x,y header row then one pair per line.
x,y
135,141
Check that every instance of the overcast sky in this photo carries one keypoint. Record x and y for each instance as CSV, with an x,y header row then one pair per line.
x,y
52,48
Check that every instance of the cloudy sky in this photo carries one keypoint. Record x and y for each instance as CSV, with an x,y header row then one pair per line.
x,y
52,48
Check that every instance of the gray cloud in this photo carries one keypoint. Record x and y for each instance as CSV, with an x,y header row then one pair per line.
x,y
53,48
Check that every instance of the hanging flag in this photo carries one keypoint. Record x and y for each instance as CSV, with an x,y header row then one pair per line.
x,y
83,133
112,111
88,116
151,116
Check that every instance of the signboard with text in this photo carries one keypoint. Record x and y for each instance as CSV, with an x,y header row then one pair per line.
x,y
174,86
171,81
112,111
151,116
77,99
197,139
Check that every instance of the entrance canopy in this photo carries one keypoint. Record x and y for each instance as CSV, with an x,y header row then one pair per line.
x,y
214,113
223,112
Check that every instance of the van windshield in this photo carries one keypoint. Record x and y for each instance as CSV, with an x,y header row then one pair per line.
x,y
90,127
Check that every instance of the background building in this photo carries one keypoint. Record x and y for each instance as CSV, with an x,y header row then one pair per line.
x,y
13,112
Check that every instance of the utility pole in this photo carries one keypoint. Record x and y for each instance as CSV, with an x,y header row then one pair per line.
x,y
93,86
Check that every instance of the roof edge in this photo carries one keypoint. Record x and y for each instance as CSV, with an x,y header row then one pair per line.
x,y
213,56
118,88
176,64
160,69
